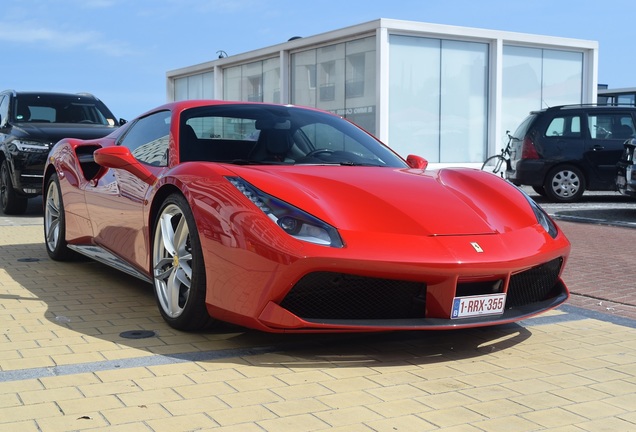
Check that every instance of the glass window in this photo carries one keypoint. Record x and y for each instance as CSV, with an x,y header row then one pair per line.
x,y
263,134
62,109
566,126
611,126
463,104
149,137
535,78
255,82
438,98
626,99
340,78
271,80
199,86
521,85
414,93
303,80
562,77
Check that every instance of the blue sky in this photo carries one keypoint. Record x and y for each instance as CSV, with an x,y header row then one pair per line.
x,y
120,50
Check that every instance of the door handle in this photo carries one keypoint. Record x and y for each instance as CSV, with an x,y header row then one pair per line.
x,y
598,147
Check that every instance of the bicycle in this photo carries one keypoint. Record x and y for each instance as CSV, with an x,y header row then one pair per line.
x,y
495,163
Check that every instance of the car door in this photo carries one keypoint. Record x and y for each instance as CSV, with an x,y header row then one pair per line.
x,y
604,147
116,202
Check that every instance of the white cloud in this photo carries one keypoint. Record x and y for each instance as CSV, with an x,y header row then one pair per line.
x,y
32,34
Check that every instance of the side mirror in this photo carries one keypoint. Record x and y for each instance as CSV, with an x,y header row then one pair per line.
x,y
416,162
122,121
120,158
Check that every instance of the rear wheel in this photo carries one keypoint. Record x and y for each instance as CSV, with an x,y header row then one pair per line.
x,y
495,164
11,202
178,268
564,183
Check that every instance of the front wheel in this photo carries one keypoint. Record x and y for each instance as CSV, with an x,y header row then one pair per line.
x,y
12,203
55,222
178,267
495,164
564,183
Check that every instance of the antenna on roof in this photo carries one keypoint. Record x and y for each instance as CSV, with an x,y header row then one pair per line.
x,y
222,54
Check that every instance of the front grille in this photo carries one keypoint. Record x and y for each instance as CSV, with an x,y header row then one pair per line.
x,y
327,295
533,285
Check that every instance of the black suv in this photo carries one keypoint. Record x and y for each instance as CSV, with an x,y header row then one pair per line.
x,y
30,123
565,150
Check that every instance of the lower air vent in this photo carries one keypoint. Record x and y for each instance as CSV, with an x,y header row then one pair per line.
x,y
327,295
533,285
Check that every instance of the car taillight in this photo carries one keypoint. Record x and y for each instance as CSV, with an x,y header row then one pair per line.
x,y
528,151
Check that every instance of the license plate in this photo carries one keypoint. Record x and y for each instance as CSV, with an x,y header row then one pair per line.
x,y
490,304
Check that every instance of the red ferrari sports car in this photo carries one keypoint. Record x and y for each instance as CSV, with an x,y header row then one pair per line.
x,y
282,218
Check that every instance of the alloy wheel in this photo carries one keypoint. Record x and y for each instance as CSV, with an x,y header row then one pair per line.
x,y
172,258
52,217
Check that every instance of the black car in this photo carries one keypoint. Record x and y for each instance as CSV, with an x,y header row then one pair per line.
x,y
30,123
626,170
565,150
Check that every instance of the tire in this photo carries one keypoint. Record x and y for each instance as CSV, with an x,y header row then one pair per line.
x,y
177,267
539,189
564,183
11,202
495,164
55,222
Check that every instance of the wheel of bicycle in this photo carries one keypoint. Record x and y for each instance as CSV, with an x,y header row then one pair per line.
x,y
495,164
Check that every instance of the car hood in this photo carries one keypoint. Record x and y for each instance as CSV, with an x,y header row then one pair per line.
x,y
401,201
53,132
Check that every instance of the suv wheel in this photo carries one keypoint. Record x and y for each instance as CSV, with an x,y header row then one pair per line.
x,y
564,183
11,202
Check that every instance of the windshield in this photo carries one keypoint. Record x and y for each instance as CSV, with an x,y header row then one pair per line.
x,y
271,134
55,108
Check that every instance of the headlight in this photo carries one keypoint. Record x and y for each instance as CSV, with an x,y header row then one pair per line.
x,y
31,146
294,221
542,216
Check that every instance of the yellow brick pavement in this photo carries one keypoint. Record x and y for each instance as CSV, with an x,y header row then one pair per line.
x,y
64,366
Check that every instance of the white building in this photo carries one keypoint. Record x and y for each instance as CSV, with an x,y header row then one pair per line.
x,y
443,92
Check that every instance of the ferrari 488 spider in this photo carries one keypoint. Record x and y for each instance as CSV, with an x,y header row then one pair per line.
x,y
282,218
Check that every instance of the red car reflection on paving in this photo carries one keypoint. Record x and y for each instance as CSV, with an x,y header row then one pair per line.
x,y
282,218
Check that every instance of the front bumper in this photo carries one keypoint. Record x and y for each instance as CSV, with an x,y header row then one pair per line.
x,y
626,179
342,302
28,170
369,288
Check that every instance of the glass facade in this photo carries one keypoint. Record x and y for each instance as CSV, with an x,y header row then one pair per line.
x,y
535,78
438,98
253,82
444,96
340,78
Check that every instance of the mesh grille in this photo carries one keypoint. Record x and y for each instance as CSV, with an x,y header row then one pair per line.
x,y
533,285
326,295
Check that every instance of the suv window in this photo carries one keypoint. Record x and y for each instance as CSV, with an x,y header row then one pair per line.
x,y
564,126
611,126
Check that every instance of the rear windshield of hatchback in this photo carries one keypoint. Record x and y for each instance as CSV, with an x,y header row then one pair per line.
x,y
522,129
